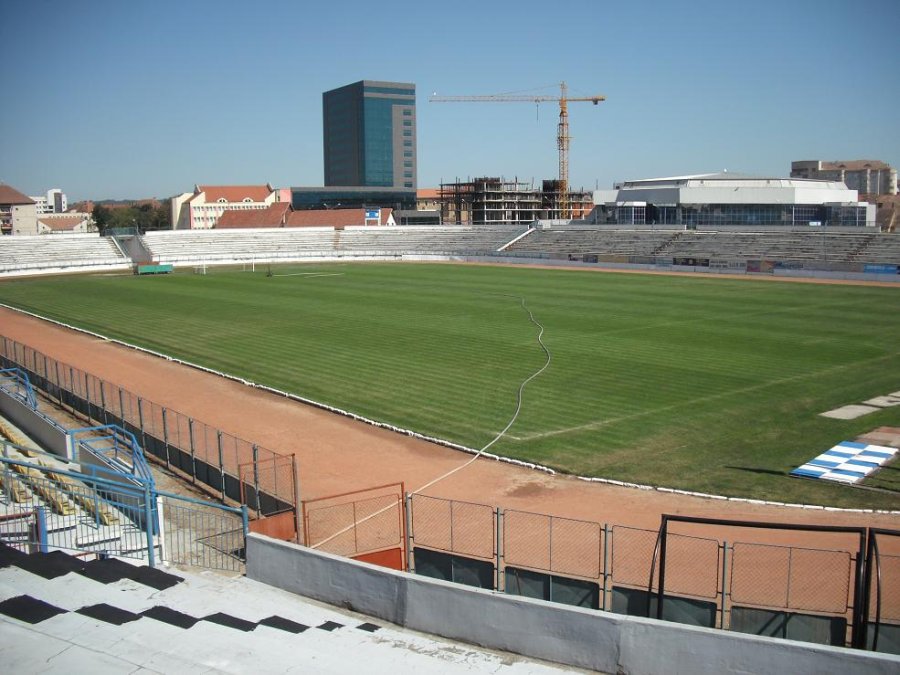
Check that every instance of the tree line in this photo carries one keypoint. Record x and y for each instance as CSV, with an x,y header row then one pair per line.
x,y
144,217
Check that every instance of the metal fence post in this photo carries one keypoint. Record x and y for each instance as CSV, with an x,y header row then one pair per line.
x,y
121,407
162,529
296,473
606,574
148,526
87,396
221,462
40,526
7,480
245,525
141,422
858,636
58,385
96,508
498,514
663,530
407,499
103,402
165,436
193,461
256,476
724,582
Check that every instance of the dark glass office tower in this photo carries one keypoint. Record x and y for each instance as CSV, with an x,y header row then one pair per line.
x,y
370,134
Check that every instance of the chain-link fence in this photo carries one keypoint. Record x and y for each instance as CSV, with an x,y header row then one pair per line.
x,y
549,543
203,453
356,523
807,588
449,525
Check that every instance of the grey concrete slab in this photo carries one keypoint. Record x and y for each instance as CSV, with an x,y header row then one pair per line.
x,y
849,412
883,401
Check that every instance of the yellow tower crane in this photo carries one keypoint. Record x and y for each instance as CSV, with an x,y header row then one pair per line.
x,y
562,129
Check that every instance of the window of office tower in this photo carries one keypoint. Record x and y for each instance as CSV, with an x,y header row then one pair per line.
x,y
379,133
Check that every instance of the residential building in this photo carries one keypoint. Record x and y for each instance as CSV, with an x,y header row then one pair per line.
x,y
18,212
728,199
369,135
53,202
202,208
863,175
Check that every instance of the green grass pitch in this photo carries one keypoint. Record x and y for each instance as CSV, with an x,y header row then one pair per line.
x,y
713,385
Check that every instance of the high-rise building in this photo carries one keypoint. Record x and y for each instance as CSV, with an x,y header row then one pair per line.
x,y
369,135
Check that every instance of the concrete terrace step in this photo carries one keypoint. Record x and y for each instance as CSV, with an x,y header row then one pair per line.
x,y
109,616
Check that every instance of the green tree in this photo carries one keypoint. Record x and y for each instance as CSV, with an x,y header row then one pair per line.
x,y
102,216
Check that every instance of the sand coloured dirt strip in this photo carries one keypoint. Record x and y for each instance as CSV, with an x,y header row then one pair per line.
x,y
336,454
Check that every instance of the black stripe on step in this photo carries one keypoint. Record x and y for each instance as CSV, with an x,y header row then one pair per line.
x,y
170,616
230,621
28,609
281,623
109,614
49,565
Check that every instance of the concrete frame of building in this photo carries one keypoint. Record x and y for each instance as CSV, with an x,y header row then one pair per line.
x,y
369,135
495,201
727,200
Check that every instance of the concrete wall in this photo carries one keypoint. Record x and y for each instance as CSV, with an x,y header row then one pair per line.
x,y
573,636
40,428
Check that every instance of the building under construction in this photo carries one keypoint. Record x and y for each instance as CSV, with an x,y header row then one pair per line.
x,y
497,201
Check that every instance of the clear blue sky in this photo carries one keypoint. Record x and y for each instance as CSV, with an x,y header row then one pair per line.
x,y
136,99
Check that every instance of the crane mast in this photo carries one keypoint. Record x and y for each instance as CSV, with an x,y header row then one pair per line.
x,y
562,129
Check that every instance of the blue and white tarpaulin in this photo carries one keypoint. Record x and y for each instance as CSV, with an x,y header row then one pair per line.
x,y
846,462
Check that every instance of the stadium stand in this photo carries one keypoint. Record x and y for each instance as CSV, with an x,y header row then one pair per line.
x,y
209,246
793,245
605,242
45,254
814,248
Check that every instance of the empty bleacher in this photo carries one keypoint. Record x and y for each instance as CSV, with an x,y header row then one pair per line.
x,y
42,254
185,247
599,242
85,252
883,249
790,245
428,240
